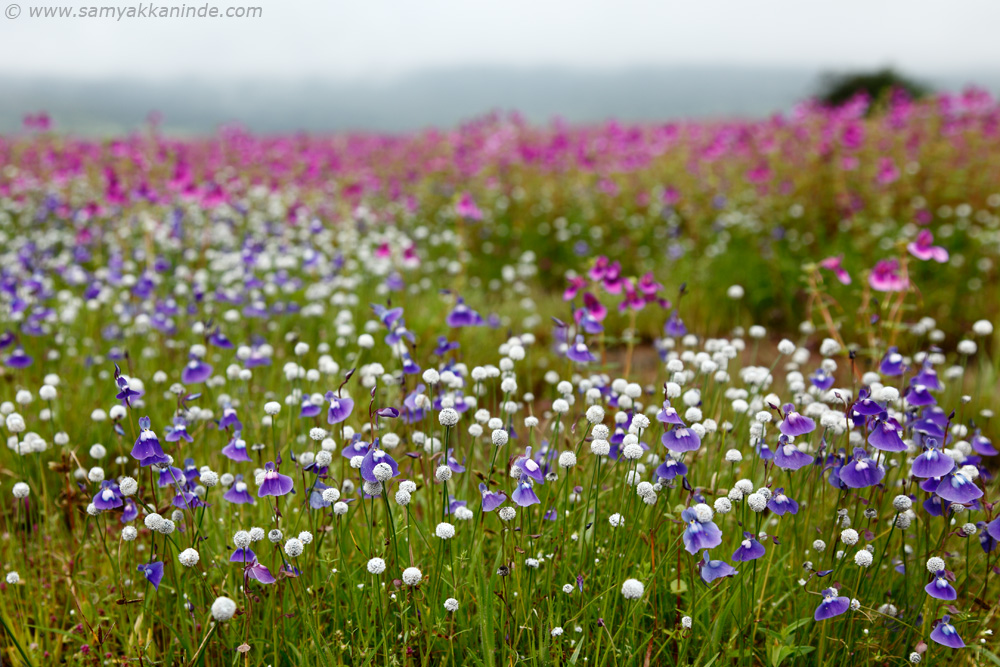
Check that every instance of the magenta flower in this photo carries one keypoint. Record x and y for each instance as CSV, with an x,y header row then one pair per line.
x,y
834,264
466,208
923,249
885,277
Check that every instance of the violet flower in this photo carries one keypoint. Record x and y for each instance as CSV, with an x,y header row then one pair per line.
x,y
715,569
940,589
340,408
274,484
108,497
945,634
699,535
153,573
579,353
833,604
524,495
374,458
258,572
463,316
794,424
789,457
196,371
529,468
781,504
238,494
147,448
491,499
957,488
861,472
923,249
681,439
933,462
749,549
885,435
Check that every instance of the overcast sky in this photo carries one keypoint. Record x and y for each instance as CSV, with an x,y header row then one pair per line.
x,y
382,38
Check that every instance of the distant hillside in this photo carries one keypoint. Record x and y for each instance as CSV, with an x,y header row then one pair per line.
x,y
440,97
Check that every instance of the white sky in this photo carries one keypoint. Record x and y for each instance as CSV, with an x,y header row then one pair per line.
x,y
378,38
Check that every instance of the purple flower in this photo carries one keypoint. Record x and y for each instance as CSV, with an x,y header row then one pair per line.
x,y
108,497
681,439
932,463
940,589
453,463
529,467
196,371
699,535
153,573
832,605
274,484
885,436
18,359
993,528
892,363
340,408
238,494
178,431
945,634
794,424
821,379
668,415
670,468
244,555
373,458
789,457
309,409
957,488
147,448
866,405
258,572
524,495
491,499
861,472
236,449
715,569
918,395
463,316
781,504
579,352
749,549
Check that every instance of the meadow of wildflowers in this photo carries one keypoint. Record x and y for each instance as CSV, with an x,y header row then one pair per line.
x,y
699,394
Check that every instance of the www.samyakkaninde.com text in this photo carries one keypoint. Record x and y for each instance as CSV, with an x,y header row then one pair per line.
x,y
145,11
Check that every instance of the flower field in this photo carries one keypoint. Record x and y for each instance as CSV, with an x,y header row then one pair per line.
x,y
714,393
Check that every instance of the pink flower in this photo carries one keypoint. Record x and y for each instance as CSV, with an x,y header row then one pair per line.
x,y
885,277
466,208
833,264
923,250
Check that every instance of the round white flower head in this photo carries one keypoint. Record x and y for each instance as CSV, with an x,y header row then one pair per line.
x,y
757,502
703,513
935,564
863,558
188,557
530,422
13,578
568,589
129,533
98,451
209,478
376,566
855,604
786,347
723,505
21,490
412,576
448,417
567,459
632,589
632,451
507,513
165,527
616,520
383,471
915,658
274,536
92,510
451,604
735,292
600,447
556,631
734,456
305,537
595,414
500,437
560,406
442,474
819,546
403,497
152,521
982,328
745,486
969,529
272,408
223,609
408,485
340,508
294,547
331,495
849,536
445,530
372,488
241,539
257,534
902,503
686,622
